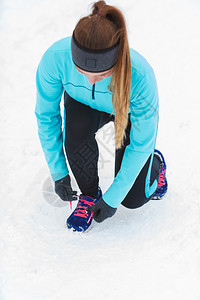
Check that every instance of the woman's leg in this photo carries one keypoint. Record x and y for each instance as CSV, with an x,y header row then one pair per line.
x,y
136,196
82,123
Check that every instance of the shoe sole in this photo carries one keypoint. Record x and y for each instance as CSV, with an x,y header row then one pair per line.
x,y
83,231
159,198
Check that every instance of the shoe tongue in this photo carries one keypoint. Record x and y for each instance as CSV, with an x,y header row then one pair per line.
x,y
85,197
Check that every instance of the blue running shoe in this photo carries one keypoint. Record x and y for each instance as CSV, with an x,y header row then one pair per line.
x,y
162,181
81,220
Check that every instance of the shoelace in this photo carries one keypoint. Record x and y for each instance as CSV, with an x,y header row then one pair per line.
x,y
80,210
161,180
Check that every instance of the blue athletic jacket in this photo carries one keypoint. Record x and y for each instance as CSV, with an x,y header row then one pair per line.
x,y
56,72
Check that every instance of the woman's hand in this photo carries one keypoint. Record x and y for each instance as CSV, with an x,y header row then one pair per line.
x,y
101,211
64,190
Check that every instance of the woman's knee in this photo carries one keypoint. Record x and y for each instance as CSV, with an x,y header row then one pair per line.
x,y
133,203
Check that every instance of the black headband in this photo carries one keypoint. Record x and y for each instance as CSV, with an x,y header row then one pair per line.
x,y
93,60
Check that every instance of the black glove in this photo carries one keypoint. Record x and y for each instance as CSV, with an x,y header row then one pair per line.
x,y
64,190
101,211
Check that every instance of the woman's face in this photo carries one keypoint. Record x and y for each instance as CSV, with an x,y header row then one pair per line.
x,y
95,77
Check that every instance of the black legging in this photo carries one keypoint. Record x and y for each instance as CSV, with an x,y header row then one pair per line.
x,y
82,123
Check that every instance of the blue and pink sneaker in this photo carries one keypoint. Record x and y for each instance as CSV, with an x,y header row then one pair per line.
x,y
81,220
162,181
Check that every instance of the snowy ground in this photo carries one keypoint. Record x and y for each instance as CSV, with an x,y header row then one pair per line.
x,y
151,253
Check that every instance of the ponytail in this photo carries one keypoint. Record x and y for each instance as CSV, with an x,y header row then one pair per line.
x,y
103,28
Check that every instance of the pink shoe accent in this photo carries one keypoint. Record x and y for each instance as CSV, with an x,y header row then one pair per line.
x,y
90,217
161,180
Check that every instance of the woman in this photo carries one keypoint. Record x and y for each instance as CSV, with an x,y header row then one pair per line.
x,y
103,81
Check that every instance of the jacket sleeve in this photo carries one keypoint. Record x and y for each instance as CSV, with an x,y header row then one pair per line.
x,y
49,120
144,122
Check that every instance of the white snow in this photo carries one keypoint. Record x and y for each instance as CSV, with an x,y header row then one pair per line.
x,y
150,253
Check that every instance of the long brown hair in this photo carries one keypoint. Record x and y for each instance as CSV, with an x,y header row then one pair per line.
x,y
102,29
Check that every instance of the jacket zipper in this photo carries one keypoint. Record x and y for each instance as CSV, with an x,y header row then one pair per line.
x,y
93,90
